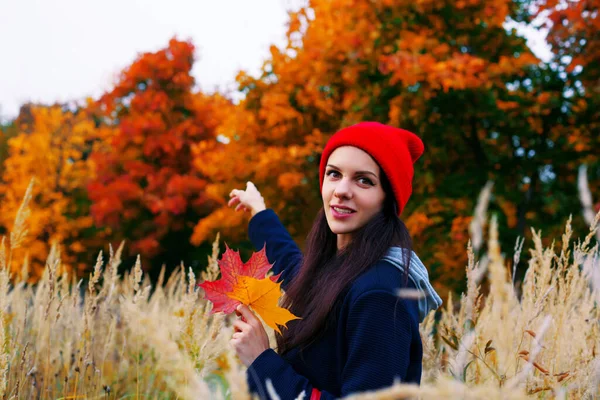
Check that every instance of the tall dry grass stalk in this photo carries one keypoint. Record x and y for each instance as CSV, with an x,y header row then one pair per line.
x,y
477,224
115,336
585,196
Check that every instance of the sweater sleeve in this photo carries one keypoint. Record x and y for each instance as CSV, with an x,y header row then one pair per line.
x,y
265,228
379,333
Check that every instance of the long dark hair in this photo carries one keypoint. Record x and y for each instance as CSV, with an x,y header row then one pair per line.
x,y
326,273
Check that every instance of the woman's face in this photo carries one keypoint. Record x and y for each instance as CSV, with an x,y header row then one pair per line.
x,y
352,192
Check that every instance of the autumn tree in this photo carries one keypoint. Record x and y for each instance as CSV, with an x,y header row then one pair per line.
x,y
574,37
451,72
146,190
52,148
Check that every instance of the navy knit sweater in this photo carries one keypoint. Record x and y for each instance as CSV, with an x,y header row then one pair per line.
x,y
375,338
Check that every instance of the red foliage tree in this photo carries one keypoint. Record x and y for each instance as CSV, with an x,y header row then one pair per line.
x,y
146,189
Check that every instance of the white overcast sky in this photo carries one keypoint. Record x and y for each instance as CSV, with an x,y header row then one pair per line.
x,y
62,50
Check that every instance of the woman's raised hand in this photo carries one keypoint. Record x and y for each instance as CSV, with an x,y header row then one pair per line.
x,y
247,200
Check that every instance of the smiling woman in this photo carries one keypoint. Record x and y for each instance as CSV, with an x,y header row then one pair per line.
x,y
355,333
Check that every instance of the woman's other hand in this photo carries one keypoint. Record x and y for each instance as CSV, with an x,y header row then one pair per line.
x,y
247,200
250,338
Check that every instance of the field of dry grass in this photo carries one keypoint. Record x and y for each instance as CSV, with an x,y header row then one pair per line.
x,y
117,337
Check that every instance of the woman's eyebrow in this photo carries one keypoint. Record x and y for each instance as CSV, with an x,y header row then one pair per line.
x,y
357,172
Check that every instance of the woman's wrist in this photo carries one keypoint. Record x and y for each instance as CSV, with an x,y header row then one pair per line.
x,y
257,209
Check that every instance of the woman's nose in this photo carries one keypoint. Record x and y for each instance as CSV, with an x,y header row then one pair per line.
x,y
342,189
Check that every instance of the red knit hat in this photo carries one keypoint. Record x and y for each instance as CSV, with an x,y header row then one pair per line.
x,y
394,149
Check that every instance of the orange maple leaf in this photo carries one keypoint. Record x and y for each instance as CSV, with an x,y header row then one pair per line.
x,y
262,295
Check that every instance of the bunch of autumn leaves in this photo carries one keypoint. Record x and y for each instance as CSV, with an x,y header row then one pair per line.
x,y
247,283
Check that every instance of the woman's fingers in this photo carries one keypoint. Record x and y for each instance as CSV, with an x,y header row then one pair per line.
x,y
241,207
247,314
240,326
237,201
233,201
240,316
246,200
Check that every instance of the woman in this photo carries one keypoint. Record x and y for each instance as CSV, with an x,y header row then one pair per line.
x,y
356,333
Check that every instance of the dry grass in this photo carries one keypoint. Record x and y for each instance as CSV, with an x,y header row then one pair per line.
x,y
117,337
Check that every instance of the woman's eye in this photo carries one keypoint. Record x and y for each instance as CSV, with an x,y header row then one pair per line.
x,y
332,173
366,181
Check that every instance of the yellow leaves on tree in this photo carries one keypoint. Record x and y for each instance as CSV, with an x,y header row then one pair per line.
x,y
249,149
52,147
417,223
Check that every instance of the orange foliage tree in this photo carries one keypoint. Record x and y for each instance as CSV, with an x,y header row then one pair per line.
x,y
574,34
449,71
396,62
52,147
559,104
146,190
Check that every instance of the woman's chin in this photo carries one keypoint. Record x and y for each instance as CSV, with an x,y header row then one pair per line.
x,y
340,229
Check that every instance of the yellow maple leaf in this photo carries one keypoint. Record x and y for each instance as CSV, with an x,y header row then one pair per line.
x,y
262,295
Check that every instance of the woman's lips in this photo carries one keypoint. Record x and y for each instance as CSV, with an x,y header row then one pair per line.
x,y
340,215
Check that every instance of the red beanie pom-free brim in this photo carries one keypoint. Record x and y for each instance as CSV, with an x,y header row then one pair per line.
x,y
394,149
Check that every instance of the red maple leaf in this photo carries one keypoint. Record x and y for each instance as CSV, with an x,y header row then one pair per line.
x,y
232,267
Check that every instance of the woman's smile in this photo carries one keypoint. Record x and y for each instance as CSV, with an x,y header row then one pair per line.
x,y
341,212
